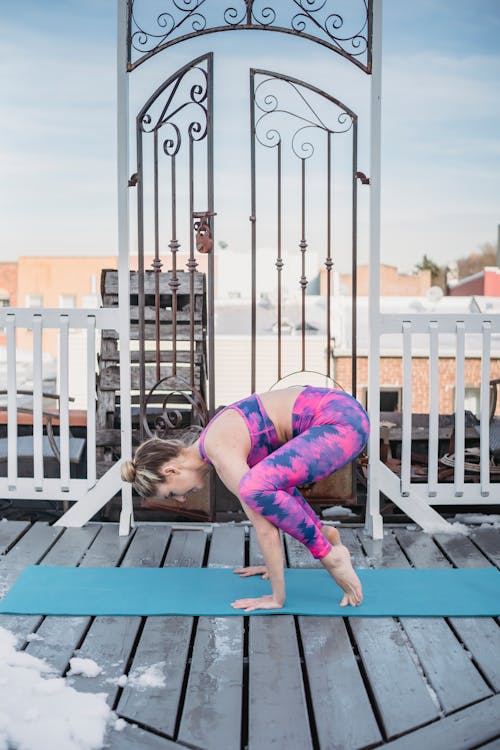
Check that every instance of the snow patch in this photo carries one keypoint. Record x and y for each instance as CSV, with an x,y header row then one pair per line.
x,y
337,511
485,519
40,712
148,677
452,528
85,667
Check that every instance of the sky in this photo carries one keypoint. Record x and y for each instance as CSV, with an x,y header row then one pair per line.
x,y
440,126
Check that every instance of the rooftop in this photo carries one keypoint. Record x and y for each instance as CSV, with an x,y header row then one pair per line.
x,y
279,681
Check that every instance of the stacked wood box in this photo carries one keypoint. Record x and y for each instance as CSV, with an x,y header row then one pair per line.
x,y
189,354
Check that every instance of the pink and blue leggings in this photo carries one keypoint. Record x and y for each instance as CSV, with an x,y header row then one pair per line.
x,y
329,428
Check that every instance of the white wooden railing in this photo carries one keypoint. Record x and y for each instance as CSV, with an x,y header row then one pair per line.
x,y
38,486
474,335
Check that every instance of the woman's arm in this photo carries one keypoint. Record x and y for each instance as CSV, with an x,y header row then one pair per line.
x,y
231,472
227,444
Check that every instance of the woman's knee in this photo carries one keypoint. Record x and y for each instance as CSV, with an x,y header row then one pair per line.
x,y
254,487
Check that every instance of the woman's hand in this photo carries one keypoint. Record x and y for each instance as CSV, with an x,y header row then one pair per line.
x,y
262,602
253,570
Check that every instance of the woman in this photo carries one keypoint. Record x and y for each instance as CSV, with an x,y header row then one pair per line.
x,y
264,447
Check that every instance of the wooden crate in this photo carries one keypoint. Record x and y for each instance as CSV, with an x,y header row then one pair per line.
x,y
183,367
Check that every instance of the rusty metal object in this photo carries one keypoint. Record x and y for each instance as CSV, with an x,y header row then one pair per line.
x,y
203,239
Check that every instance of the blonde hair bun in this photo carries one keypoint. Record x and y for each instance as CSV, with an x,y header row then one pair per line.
x,y
128,471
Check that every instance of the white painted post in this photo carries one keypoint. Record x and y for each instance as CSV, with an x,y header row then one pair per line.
x,y
433,447
406,426
484,460
373,520
64,457
11,403
126,516
460,410
91,419
37,402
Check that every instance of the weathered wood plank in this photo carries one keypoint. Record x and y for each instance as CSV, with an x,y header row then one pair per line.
x,y
298,555
109,377
109,282
110,354
463,730
446,664
10,532
133,738
448,668
336,686
481,637
460,550
398,689
31,548
149,546
383,553
488,541
183,331
335,682
277,708
227,547
166,314
187,549
164,643
212,710
421,549
72,546
108,642
495,745
108,548
403,700
211,717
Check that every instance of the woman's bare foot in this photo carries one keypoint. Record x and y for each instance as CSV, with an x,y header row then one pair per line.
x,y
338,564
332,534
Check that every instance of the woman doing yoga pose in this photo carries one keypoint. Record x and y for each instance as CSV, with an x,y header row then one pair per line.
x,y
264,447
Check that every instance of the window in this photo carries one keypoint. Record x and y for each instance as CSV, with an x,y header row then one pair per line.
x,y
90,301
4,302
390,398
472,400
67,300
34,300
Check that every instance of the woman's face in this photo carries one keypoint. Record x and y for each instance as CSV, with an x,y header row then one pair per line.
x,y
179,482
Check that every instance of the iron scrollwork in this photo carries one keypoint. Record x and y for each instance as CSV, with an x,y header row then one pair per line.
x,y
322,21
302,123
170,418
178,107
175,116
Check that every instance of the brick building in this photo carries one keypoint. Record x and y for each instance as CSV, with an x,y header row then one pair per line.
x,y
65,282
392,282
8,290
485,283
391,369
60,282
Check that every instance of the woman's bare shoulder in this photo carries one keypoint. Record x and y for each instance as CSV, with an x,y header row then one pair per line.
x,y
227,437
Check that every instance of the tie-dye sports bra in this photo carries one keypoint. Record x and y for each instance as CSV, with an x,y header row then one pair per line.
x,y
263,437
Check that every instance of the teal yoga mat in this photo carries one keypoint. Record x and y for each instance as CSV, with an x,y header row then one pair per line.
x,y
48,590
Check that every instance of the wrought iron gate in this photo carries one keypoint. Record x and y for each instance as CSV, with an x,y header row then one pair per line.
x,y
296,132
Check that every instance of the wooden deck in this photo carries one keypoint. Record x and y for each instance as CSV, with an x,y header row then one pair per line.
x,y
274,681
